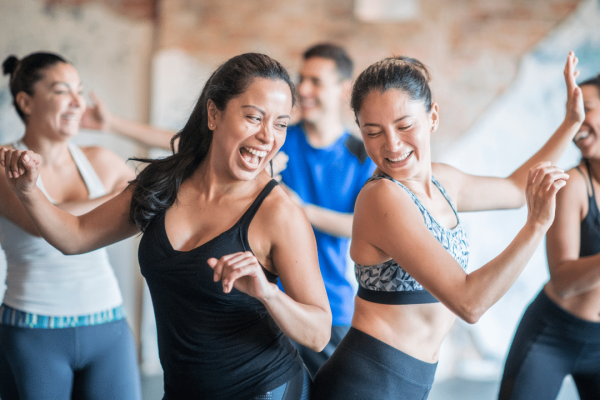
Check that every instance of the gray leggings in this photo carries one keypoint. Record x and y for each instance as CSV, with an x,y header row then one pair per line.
x,y
88,362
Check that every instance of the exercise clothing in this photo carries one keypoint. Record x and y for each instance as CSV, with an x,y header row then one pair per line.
x,y
42,280
87,362
388,283
329,177
63,333
551,343
211,344
297,388
365,368
590,226
314,360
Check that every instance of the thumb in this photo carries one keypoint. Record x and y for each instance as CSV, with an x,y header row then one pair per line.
x,y
212,262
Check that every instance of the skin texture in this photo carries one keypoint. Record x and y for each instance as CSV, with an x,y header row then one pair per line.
x,y
52,114
387,224
222,188
575,281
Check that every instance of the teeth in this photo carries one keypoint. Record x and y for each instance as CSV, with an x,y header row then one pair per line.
x,y
582,135
257,153
401,158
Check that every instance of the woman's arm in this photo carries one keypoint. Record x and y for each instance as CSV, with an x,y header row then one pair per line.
x,y
387,218
476,193
100,118
70,234
569,274
302,312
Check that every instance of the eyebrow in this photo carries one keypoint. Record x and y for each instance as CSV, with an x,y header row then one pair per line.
x,y
65,83
263,112
395,122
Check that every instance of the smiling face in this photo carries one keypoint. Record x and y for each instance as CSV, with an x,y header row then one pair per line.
x,y
396,132
57,103
588,137
251,128
320,89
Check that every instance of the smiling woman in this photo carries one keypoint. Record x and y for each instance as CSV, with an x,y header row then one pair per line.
x,y
410,249
217,235
62,327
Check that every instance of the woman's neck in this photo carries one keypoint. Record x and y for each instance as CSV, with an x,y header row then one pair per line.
x,y
52,151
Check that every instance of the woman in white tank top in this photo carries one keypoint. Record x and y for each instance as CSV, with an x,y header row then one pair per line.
x,y
63,332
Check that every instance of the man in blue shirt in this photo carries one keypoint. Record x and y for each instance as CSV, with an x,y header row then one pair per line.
x,y
326,169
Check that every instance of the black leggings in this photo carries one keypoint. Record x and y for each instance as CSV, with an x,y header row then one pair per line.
x,y
297,388
551,343
365,368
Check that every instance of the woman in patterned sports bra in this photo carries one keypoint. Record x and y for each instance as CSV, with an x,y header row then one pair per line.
x,y
407,241
560,330
218,233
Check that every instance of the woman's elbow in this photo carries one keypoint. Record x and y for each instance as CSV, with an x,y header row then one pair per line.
x,y
471,313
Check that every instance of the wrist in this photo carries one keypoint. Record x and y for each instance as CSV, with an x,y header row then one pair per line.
x,y
536,228
571,124
270,294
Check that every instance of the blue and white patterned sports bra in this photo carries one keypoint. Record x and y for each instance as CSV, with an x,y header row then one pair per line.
x,y
388,283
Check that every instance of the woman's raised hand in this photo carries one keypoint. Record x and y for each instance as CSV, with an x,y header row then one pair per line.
x,y
543,182
243,272
575,111
22,168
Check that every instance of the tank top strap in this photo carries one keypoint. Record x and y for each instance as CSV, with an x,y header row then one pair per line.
x,y
587,165
251,211
90,177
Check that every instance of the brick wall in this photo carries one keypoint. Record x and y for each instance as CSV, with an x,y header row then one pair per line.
x,y
472,46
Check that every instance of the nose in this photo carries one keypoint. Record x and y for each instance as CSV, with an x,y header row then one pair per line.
x,y
77,100
304,88
265,133
393,141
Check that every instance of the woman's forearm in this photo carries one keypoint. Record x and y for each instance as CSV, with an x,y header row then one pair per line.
x,y
485,286
58,227
574,277
308,325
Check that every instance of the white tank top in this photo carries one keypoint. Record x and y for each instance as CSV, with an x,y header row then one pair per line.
x,y
41,280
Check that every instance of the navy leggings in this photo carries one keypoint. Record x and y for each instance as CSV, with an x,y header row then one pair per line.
x,y
297,388
551,343
88,362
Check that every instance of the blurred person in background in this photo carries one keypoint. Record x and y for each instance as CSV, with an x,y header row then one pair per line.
x,y
63,332
560,330
326,169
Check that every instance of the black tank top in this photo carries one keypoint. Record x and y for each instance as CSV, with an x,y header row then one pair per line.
x,y
590,226
212,345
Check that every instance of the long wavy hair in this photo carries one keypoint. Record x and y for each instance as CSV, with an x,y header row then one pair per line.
x,y
156,187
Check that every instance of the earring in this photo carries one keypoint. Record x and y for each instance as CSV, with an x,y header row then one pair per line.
x,y
211,125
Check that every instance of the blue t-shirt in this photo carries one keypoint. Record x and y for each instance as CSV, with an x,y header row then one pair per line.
x,y
331,178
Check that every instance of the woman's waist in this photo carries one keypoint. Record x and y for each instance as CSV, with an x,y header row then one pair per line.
x,y
415,329
585,306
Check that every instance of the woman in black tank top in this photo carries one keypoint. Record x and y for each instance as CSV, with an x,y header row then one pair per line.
x,y
560,330
218,234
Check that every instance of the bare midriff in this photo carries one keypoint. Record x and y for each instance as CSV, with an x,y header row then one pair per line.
x,y
415,329
585,305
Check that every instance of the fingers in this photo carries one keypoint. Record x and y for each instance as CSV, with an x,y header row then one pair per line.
x,y
232,267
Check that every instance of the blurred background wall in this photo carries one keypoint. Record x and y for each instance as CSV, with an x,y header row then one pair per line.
x,y
497,76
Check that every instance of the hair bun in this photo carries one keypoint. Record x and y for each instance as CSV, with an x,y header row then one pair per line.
x,y
10,64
